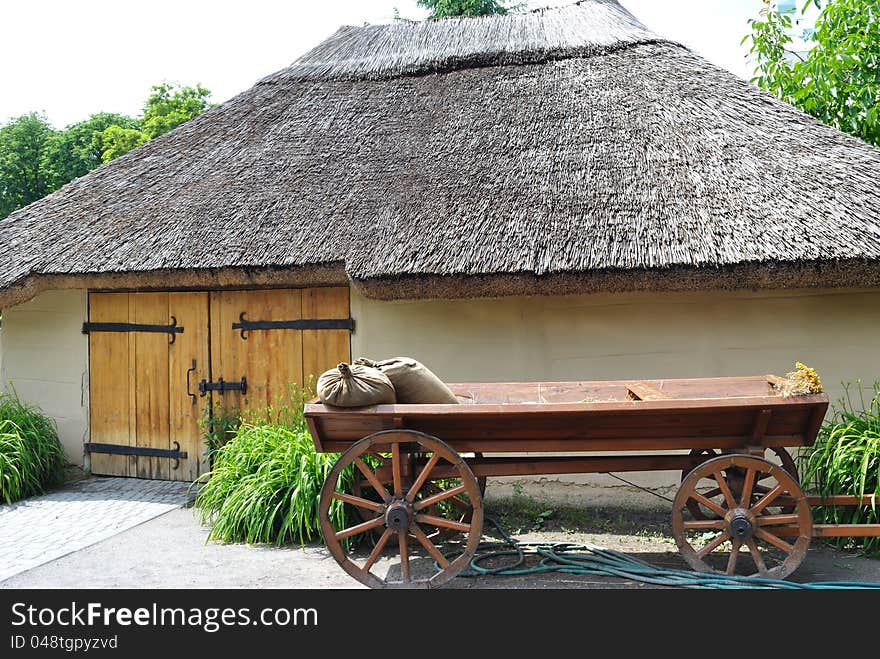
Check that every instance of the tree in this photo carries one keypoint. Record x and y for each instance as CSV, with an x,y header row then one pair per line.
x,y
23,176
78,149
446,8
115,141
171,105
36,160
838,81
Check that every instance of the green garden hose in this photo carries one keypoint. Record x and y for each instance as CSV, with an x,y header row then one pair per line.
x,y
573,558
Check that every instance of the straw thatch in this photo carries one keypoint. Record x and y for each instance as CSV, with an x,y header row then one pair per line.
x,y
556,151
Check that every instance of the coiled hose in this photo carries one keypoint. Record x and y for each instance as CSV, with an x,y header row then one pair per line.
x,y
574,558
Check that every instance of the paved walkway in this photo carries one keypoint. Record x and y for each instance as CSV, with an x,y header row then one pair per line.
x,y
80,514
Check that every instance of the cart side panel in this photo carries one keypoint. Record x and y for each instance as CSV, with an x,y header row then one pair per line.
x,y
636,426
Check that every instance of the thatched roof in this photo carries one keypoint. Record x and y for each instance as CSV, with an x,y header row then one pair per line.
x,y
561,150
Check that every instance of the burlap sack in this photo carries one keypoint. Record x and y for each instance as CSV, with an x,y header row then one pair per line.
x,y
413,381
354,386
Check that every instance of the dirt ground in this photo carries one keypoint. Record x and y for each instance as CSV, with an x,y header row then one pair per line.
x,y
171,551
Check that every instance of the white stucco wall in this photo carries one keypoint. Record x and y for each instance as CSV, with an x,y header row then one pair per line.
x,y
621,336
641,335
45,358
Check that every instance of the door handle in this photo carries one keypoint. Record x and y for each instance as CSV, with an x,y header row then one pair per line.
x,y
188,371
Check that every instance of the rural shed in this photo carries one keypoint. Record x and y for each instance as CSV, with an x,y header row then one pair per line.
x,y
554,195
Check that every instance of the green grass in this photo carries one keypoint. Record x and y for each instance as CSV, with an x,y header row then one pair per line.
x,y
31,457
265,483
846,460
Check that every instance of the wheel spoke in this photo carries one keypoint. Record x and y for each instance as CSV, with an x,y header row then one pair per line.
x,y
371,477
389,466
358,501
712,546
395,469
456,501
722,484
756,557
429,546
360,528
748,483
404,553
705,524
443,494
765,501
377,550
777,542
442,521
734,554
423,476
776,520
711,505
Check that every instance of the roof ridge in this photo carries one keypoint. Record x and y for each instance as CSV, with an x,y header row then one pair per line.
x,y
583,29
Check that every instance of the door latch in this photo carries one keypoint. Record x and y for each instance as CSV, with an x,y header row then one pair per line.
x,y
222,386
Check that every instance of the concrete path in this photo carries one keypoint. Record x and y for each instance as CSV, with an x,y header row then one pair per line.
x,y
172,551
41,529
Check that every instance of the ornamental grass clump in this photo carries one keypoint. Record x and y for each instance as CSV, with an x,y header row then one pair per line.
x,y
265,483
845,459
31,456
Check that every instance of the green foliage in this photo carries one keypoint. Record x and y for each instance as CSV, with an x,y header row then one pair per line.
x,y
218,425
115,141
23,148
31,457
36,160
846,460
266,481
79,148
171,105
838,81
447,8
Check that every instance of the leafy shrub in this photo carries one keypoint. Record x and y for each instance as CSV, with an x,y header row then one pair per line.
x,y
846,460
31,457
218,425
266,481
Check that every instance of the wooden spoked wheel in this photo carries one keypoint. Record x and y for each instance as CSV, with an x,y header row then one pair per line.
x,y
459,506
775,454
400,545
739,518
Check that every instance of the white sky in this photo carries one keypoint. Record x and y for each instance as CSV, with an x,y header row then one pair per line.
x,y
69,59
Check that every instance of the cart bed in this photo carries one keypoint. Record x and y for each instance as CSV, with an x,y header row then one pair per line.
x,y
694,413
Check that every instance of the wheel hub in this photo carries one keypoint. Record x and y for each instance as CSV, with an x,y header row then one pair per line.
x,y
740,525
398,515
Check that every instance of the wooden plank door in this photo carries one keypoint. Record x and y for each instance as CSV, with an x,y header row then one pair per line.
x,y
188,364
111,387
148,365
144,388
273,360
138,383
324,349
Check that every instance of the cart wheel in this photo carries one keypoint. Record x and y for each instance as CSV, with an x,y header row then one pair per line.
x,y
460,504
737,515
782,457
399,516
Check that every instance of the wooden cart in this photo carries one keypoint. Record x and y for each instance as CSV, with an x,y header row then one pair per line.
x,y
419,470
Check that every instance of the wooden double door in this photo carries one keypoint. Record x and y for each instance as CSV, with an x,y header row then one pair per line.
x,y
158,361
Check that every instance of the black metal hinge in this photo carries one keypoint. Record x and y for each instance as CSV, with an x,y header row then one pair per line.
x,y
145,451
171,329
223,386
302,324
